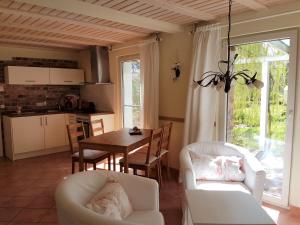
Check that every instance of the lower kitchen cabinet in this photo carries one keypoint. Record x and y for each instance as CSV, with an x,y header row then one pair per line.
x,y
55,130
27,134
34,135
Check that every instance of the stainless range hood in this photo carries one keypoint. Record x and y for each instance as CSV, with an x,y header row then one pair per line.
x,y
99,65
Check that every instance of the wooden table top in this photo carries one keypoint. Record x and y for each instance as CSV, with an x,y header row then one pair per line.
x,y
120,138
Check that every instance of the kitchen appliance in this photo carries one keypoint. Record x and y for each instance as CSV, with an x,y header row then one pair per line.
x,y
69,102
99,65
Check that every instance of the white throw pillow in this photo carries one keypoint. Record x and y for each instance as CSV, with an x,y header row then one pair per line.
x,y
111,201
218,168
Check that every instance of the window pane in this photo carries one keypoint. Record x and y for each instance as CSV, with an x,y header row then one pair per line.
x,y
132,93
257,119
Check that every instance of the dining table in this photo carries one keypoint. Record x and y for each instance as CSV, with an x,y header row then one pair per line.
x,y
119,141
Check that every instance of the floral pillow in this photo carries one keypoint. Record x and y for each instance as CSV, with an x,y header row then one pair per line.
x,y
217,168
111,200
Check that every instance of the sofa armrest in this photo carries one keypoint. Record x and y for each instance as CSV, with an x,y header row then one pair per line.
x,y
143,192
255,176
187,170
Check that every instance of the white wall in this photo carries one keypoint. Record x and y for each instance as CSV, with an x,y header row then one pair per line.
x,y
279,18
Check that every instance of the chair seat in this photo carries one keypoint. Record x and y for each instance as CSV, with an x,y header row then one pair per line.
x,y
138,158
90,154
146,217
163,152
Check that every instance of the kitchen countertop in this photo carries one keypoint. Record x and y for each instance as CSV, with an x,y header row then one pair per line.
x,y
49,112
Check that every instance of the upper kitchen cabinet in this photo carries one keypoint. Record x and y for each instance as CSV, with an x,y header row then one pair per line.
x,y
26,75
61,76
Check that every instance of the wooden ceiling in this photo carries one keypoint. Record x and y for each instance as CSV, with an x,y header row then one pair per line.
x,y
77,24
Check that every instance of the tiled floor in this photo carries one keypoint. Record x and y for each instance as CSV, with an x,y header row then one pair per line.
x,y
27,193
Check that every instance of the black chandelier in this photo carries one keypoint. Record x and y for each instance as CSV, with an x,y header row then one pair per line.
x,y
224,79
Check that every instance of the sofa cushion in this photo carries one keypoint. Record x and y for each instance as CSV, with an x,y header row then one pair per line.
x,y
146,218
111,201
222,168
222,186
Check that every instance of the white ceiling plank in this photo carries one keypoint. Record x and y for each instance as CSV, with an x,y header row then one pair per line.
x,y
57,30
101,12
98,27
46,36
252,4
46,44
180,9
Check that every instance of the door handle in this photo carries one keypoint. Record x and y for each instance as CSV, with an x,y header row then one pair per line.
x,y
46,121
67,81
30,81
41,121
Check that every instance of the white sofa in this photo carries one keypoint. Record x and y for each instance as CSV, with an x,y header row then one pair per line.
x,y
76,190
254,171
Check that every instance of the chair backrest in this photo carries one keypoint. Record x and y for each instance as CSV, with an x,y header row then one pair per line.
x,y
167,128
75,132
154,144
97,126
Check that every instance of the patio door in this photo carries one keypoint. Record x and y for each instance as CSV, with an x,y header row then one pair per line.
x,y
262,120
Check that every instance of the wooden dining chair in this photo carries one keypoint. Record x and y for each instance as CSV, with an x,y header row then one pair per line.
x,y
164,153
147,157
97,128
75,133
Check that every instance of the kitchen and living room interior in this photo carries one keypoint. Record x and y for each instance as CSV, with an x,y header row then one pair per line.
x,y
139,112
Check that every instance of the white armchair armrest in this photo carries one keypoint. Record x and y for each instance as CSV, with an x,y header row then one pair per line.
x,y
255,176
186,169
143,193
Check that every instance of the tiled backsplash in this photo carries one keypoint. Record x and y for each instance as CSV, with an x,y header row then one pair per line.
x,y
28,95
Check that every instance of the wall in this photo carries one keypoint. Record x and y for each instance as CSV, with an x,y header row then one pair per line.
x,y
279,18
101,94
173,93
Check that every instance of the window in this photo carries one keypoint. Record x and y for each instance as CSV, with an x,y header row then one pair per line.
x,y
132,93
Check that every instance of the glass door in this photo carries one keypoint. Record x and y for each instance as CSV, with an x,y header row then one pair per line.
x,y
262,120
131,93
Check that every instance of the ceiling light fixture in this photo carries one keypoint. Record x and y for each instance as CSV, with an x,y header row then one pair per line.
x,y
223,79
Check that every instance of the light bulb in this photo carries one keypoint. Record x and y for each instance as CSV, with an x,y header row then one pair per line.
x,y
258,84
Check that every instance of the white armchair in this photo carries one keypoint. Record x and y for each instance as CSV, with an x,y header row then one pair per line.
x,y
76,190
254,171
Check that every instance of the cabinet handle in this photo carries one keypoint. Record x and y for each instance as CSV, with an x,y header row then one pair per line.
x,y
30,81
41,121
67,81
46,121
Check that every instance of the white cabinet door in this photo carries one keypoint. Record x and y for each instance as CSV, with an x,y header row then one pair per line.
x,y
55,130
26,75
27,134
61,76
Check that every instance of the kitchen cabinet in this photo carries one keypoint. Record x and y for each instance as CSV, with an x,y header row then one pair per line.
x,y
55,130
62,76
27,133
26,75
28,136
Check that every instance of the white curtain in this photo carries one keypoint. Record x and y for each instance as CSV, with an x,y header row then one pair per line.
x,y
150,81
201,102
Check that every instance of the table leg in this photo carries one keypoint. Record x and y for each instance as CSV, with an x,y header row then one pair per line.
x,y
125,162
81,166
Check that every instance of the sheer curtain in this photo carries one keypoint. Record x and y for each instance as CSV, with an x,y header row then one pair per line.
x,y
201,102
150,80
